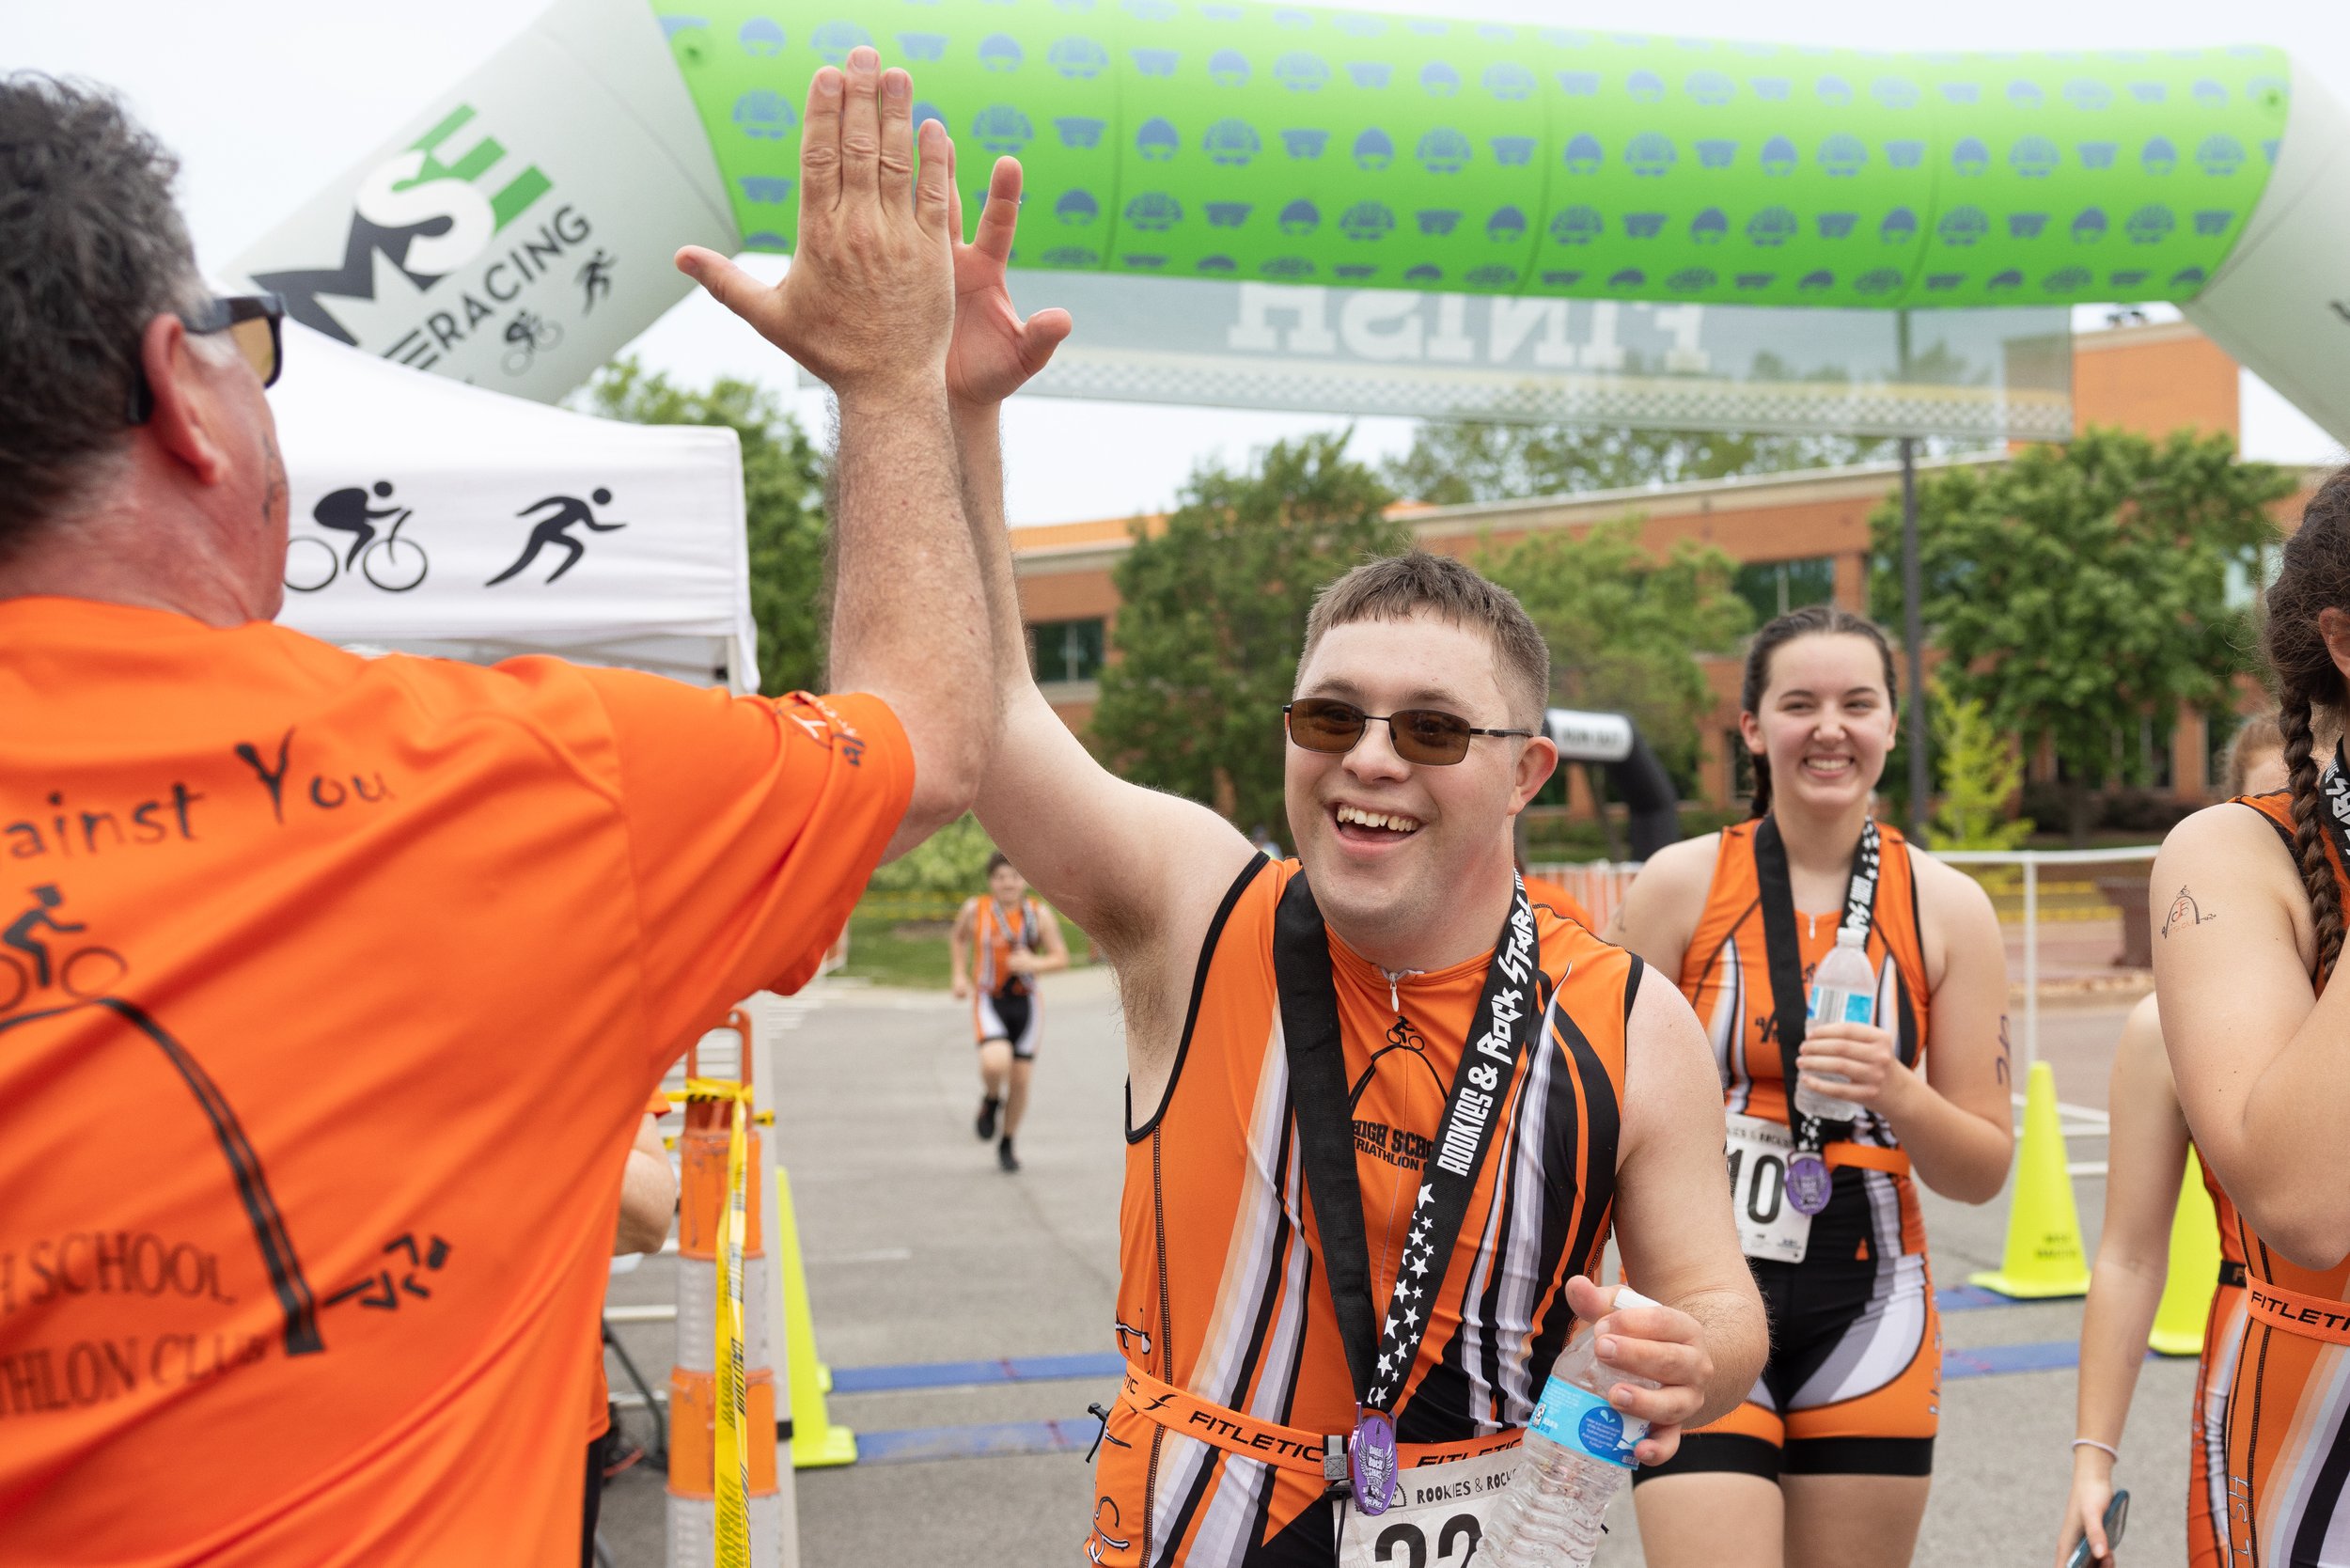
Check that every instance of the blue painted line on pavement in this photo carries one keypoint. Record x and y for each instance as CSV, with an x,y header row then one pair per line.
x,y
948,1374
995,1440
904,1376
1001,1439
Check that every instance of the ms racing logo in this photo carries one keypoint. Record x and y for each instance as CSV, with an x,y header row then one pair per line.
x,y
418,220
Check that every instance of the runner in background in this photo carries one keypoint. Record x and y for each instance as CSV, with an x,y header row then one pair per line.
x,y
1827,1463
1003,939
2246,947
1472,1202
647,1207
364,967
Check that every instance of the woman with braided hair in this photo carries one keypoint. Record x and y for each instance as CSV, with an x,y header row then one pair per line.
x,y
2250,931
1827,1463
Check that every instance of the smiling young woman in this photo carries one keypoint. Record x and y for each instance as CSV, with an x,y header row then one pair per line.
x,y
1828,1461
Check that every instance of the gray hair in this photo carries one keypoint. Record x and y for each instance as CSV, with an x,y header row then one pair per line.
x,y
91,250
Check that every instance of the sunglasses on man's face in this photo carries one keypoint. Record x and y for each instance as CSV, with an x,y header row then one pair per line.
x,y
253,323
1429,736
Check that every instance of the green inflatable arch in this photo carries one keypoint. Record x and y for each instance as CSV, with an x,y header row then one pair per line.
x,y
1287,145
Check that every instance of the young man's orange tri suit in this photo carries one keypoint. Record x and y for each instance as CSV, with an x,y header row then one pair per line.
x,y
1213,1455
2286,1370
1854,1383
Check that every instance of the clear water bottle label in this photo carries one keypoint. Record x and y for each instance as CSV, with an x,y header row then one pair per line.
x,y
1583,1422
1831,1005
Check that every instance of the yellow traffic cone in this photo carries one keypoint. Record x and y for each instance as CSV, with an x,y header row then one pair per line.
x,y
2043,1257
816,1443
2194,1274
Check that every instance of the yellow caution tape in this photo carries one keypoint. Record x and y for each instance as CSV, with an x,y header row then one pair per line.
x,y
733,1459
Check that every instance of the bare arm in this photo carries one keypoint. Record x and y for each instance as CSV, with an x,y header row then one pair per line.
x,y
648,1194
1141,871
959,953
1958,1121
868,307
1660,911
2256,1054
1056,953
2148,1156
1673,1226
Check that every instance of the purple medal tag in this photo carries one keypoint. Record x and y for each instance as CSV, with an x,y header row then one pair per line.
x,y
1807,1182
1371,1458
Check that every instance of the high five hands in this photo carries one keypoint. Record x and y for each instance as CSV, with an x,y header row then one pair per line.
x,y
883,298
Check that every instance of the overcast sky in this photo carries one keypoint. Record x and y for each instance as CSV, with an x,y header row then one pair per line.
x,y
268,99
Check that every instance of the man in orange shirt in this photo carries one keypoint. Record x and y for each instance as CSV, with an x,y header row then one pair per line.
x,y
353,975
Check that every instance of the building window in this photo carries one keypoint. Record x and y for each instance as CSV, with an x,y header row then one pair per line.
x,y
1067,649
1774,587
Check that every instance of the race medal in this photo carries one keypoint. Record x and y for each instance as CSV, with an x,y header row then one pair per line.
x,y
1808,1181
1371,1459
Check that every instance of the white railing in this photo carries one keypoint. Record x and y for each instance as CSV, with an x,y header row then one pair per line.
x,y
2030,861
1600,886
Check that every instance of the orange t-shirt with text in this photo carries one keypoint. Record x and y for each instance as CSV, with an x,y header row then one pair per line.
x,y
331,991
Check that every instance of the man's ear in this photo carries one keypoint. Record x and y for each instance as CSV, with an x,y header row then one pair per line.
x,y
184,422
1536,763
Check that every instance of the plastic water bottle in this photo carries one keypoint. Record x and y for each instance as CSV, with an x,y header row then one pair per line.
x,y
1843,990
1578,1452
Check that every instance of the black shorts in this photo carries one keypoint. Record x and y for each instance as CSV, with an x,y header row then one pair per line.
x,y
1011,1017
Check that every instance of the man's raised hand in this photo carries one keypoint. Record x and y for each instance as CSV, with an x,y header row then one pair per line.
x,y
995,351
868,305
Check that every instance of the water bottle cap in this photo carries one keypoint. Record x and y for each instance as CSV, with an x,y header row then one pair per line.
x,y
1627,1296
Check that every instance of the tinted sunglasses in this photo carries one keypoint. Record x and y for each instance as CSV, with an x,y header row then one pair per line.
x,y
253,321
1429,736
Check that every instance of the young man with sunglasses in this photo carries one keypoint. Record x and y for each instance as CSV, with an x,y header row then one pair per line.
x,y
1376,1150
315,1127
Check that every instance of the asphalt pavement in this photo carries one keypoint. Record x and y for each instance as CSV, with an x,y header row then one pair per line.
x,y
967,1314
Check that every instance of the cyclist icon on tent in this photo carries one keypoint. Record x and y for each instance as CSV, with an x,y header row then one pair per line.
x,y
386,560
555,530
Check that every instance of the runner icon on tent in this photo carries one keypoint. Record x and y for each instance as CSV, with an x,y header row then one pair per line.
x,y
555,528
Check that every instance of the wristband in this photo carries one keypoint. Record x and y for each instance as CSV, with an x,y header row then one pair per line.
x,y
2111,1452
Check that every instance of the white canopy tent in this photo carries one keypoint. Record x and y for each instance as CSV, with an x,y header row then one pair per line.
x,y
434,517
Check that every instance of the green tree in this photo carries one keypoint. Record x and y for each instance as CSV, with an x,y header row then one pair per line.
x,y
1624,630
1212,618
2078,589
1981,770
1453,462
783,496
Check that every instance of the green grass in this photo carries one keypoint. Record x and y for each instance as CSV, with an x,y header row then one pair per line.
x,y
884,951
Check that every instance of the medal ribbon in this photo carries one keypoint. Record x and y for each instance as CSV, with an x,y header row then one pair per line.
x,y
1784,952
1508,1015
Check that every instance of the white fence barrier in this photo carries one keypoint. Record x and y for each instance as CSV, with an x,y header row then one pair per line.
x,y
1600,886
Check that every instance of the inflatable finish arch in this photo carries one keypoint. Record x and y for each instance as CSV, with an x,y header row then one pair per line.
x,y
528,217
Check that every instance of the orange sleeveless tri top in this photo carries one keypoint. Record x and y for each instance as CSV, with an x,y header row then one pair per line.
x,y
1725,974
1221,1290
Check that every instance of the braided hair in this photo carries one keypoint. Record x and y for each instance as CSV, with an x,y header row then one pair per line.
x,y
2314,576
1812,620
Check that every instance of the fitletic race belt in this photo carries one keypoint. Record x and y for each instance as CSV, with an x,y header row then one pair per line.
x,y
1867,1156
1288,1447
2312,1317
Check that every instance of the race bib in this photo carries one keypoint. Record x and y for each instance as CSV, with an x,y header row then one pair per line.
x,y
1768,1225
1437,1519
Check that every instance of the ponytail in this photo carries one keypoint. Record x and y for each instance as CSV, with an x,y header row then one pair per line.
x,y
2312,576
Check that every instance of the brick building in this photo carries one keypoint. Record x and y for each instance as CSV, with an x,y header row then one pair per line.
x,y
1800,538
